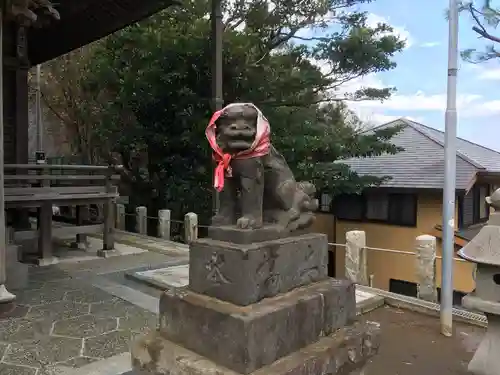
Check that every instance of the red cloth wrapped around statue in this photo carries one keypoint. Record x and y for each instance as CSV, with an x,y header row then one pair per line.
x,y
260,145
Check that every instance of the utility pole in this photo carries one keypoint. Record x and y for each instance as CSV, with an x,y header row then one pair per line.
x,y
450,161
39,134
39,154
217,100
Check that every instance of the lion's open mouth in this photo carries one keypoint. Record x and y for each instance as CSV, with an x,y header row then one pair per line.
x,y
239,144
239,134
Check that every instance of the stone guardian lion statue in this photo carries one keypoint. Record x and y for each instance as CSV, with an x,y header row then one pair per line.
x,y
255,183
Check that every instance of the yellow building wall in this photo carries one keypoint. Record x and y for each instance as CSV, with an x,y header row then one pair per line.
x,y
386,265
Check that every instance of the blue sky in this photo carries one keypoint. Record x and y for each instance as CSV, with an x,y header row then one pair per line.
x,y
420,77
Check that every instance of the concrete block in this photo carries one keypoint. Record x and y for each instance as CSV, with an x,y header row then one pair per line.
x,y
345,352
246,273
246,338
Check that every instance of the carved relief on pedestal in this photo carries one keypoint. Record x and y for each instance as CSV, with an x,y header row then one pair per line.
x,y
214,266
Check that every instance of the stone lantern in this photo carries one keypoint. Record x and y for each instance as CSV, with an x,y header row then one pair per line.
x,y
484,250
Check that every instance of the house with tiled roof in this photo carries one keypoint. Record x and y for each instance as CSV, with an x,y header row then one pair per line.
x,y
409,204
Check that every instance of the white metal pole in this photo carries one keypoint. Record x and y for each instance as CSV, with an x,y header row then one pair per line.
x,y
450,175
5,295
39,130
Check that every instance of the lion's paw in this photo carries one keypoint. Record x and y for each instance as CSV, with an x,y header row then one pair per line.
x,y
248,223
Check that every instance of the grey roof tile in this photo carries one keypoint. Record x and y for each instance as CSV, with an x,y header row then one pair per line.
x,y
421,164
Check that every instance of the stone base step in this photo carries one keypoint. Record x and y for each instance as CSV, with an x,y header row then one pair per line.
x,y
345,352
245,338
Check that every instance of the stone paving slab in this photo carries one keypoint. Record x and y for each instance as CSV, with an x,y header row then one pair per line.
x,y
62,321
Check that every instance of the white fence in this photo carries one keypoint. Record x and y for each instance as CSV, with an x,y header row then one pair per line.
x,y
356,251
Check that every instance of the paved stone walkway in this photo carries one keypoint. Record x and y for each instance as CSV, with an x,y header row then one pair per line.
x,y
61,319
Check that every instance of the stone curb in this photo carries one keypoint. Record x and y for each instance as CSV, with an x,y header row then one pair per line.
x,y
370,304
425,307
147,281
156,245
134,275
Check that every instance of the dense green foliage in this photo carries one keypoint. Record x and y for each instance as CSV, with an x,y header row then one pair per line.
x,y
153,84
486,19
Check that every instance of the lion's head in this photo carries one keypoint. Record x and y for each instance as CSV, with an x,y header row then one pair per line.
x,y
236,128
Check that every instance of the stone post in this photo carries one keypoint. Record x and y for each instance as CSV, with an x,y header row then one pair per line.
x,y
355,257
483,250
164,224
425,249
120,216
141,217
190,227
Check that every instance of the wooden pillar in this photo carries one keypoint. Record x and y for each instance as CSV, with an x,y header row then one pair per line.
x,y
45,257
5,295
21,120
82,217
108,239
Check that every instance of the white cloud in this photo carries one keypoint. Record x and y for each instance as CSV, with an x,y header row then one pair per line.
x,y
370,80
420,101
374,118
487,108
489,74
400,105
400,31
468,105
323,65
430,44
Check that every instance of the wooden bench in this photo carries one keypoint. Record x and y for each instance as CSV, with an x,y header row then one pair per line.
x,y
50,185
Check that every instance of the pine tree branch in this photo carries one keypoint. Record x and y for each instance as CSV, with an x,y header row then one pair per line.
x,y
479,28
486,35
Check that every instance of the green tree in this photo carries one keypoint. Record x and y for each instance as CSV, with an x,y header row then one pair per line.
x,y
157,77
76,112
486,19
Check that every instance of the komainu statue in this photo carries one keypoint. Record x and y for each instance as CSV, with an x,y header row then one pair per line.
x,y
255,183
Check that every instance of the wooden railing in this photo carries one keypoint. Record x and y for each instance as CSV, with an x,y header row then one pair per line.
x,y
43,186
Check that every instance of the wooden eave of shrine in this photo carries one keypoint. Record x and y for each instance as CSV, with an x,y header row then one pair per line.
x,y
85,21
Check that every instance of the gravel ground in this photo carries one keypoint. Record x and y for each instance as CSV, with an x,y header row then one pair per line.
x,y
412,345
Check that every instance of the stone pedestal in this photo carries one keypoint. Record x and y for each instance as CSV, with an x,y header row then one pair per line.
x,y
246,273
258,308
